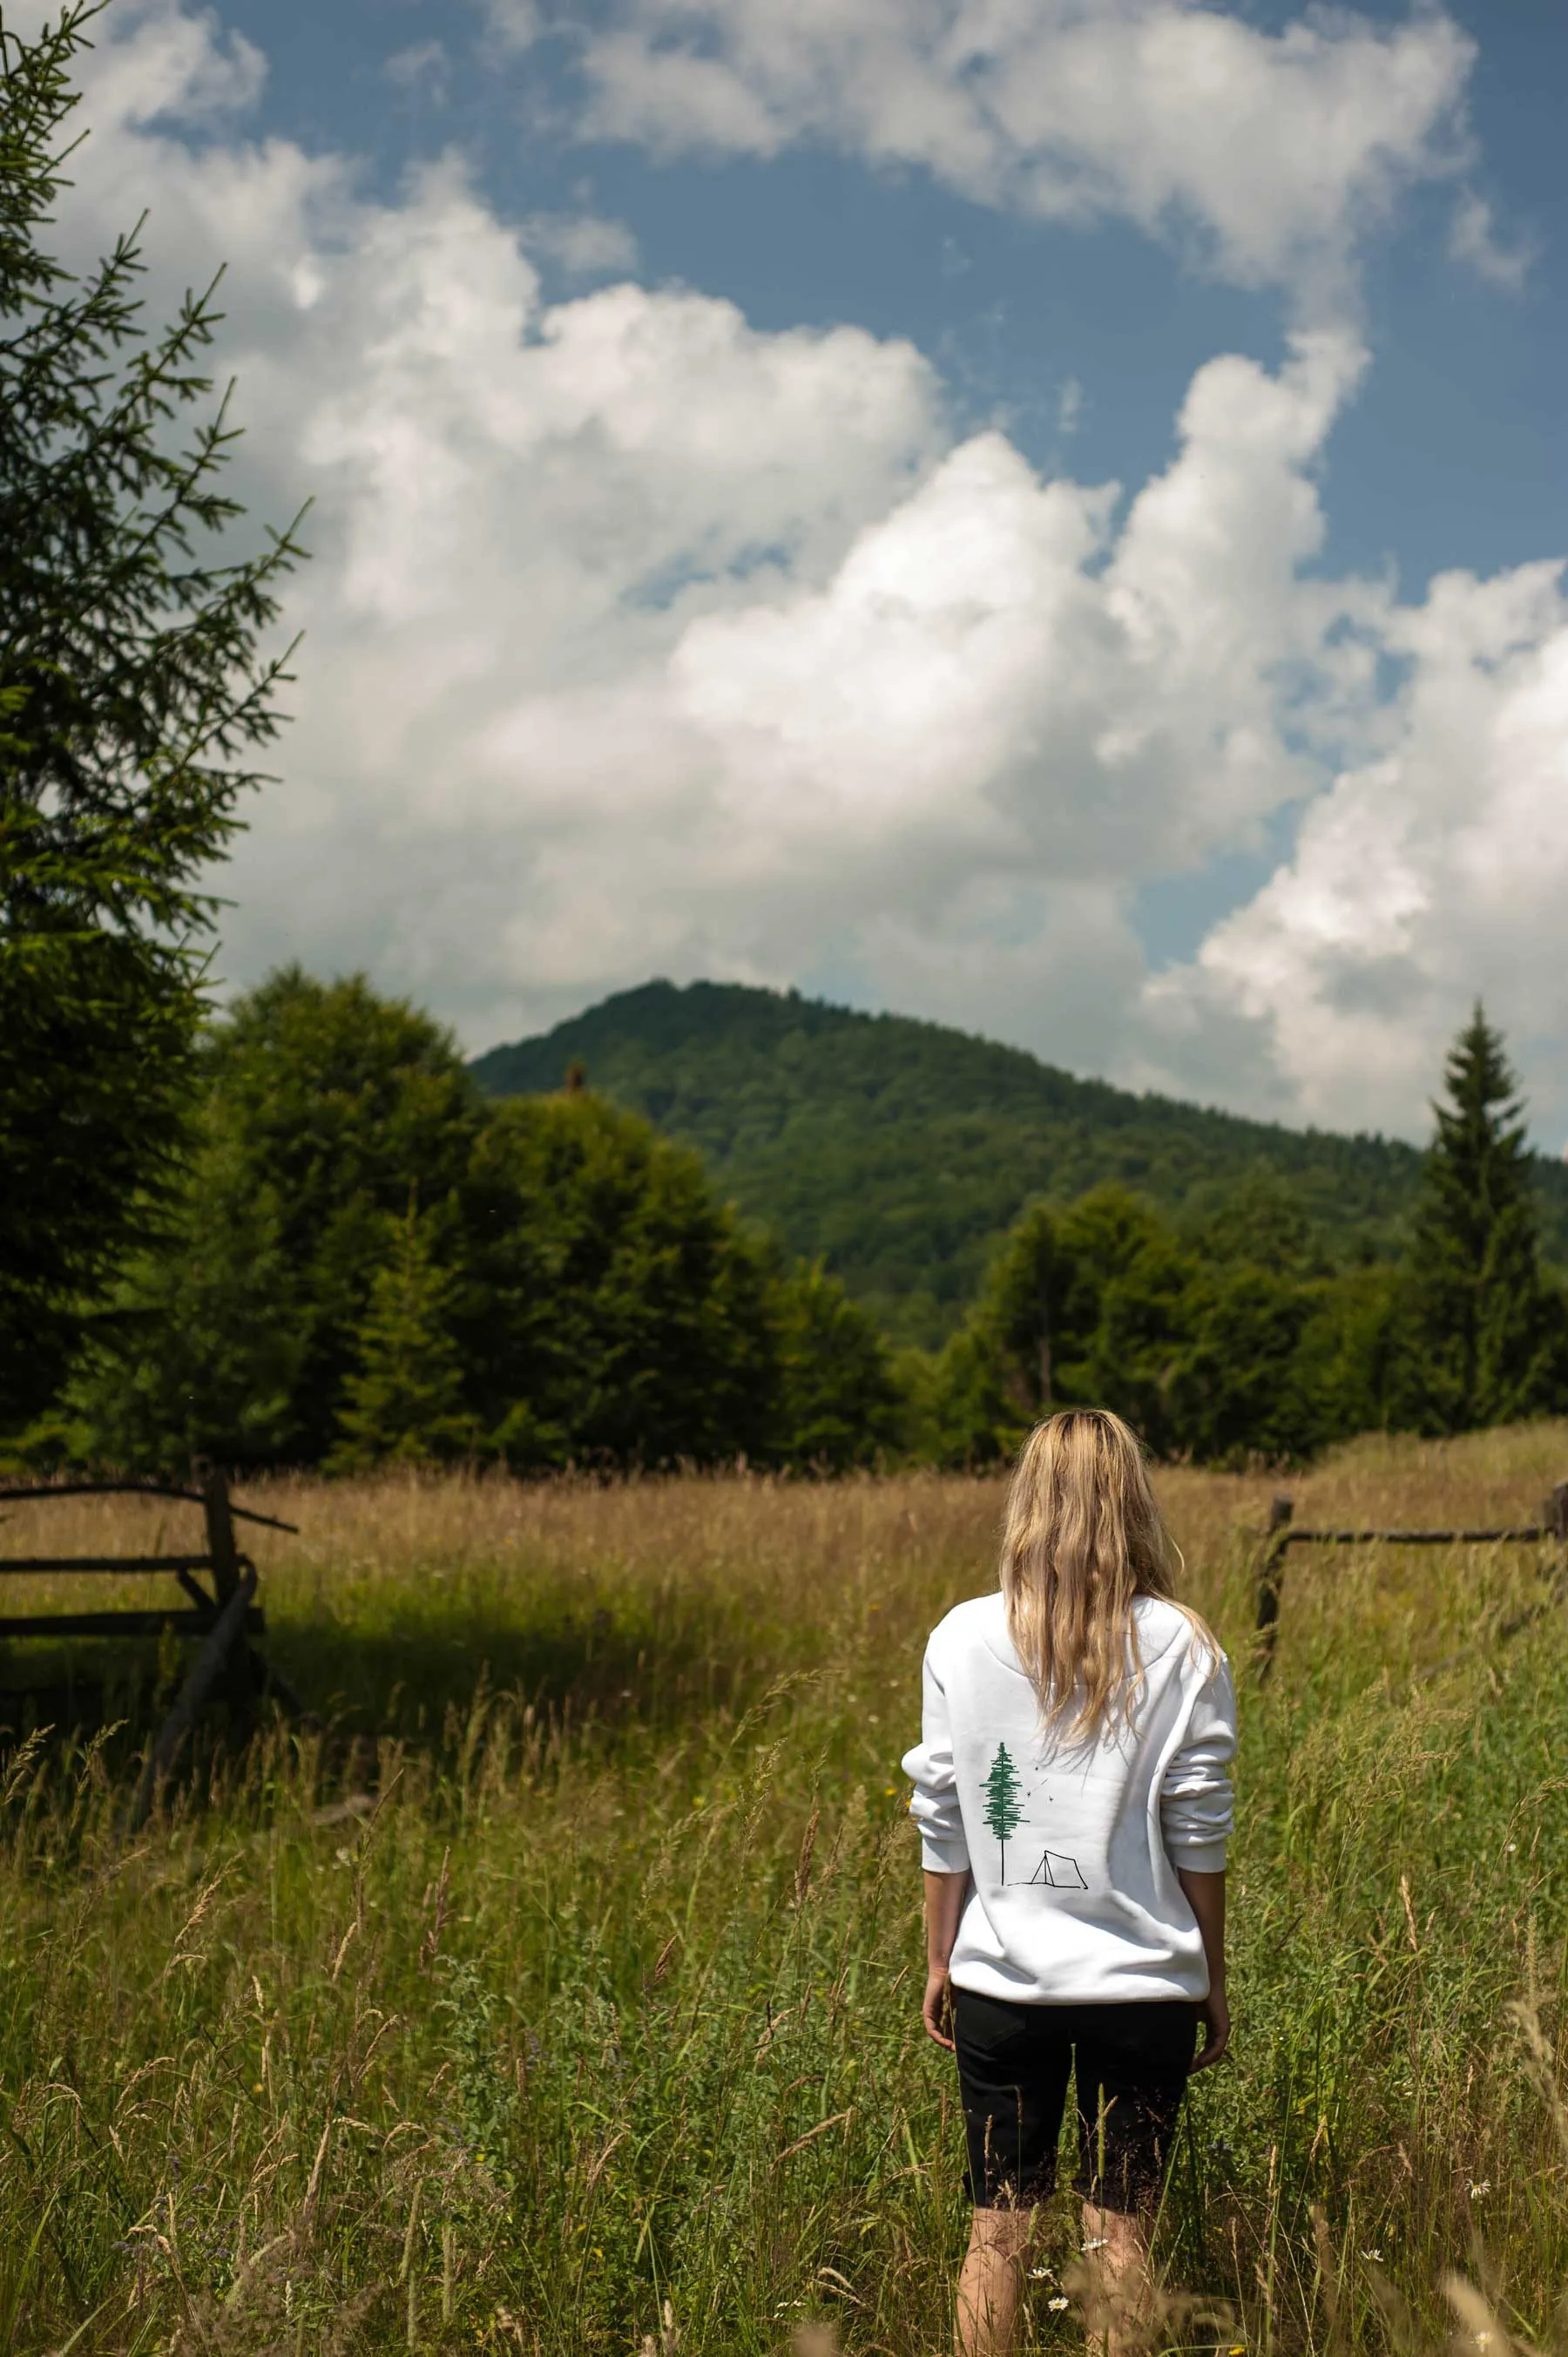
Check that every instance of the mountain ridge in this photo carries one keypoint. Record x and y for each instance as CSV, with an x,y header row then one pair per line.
x,y
898,1151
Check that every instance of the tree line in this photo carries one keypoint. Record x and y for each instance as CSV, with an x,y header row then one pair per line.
x,y
366,1261
903,1149
1236,1338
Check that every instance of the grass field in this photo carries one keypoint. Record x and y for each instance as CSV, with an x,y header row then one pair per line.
x,y
563,1994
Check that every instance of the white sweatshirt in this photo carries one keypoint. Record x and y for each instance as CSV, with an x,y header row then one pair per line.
x,y
1081,1902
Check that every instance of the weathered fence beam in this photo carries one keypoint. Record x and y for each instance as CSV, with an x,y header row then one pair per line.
x,y
182,1620
98,1489
138,1490
223,1636
1529,1535
175,1562
197,1593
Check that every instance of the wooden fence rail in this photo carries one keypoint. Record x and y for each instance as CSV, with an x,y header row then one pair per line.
x,y
224,1615
1283,1533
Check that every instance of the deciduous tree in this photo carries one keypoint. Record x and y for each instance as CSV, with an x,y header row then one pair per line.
x,y
324,1105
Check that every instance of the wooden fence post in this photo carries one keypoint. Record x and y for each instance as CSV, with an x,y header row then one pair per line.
x,y
220,1544
1554,1514
240,1673
1270,1574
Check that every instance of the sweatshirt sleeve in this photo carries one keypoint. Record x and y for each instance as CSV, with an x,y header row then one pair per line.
x,y
929,1767
1195,1804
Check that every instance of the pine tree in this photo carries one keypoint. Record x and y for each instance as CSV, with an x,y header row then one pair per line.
x,y
1003,1807
135,682
404,1404
1487,1325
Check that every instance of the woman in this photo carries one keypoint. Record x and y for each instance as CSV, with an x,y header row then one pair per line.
x,y
1072,1792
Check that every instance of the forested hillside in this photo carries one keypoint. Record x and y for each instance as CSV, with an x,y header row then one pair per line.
x,y
900,1150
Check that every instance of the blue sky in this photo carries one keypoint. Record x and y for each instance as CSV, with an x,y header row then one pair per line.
x,y
710,413
1454,453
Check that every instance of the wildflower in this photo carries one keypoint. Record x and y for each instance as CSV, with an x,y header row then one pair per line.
x,y
1373,2255
1483,2188
891,1792
1098,2243
1039,2275
1060,2302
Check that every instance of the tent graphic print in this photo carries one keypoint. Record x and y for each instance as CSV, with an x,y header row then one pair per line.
x,y
1057,1872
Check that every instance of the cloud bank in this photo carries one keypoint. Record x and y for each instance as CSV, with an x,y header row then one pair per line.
x,y
642,642
1268,156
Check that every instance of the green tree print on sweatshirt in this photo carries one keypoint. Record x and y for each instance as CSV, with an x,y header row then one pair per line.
x,y
1003,1806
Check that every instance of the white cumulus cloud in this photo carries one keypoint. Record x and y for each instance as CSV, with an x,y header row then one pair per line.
x,y
1270,153
1431,873
641,640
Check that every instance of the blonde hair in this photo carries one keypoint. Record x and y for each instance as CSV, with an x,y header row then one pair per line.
x,y
1082,1538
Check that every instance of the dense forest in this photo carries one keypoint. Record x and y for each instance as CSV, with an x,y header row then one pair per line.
x,y
899,1152
365,1259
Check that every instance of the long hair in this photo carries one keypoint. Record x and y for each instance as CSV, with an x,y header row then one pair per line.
x,y
1082,1538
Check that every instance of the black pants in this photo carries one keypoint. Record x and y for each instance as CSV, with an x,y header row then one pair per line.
x,y
1130,2063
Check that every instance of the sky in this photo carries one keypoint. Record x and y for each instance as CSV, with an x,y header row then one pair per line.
x,y
1043,514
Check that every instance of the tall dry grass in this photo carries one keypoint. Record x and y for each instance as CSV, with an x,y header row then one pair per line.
x,y
572,2003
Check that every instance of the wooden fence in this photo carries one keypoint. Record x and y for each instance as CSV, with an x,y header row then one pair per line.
x,y
224,1616
1283,1533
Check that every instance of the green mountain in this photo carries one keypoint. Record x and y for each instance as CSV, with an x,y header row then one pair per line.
x,y
898,1151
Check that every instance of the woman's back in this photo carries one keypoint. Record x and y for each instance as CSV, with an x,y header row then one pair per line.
x,y
1073,1799
1073,1841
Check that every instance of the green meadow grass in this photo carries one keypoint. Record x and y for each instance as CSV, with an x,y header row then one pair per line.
x,y
560,1993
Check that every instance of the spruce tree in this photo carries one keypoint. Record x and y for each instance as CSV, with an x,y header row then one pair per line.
x,y
135,683
1004,1808
1488,1326
405,1404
